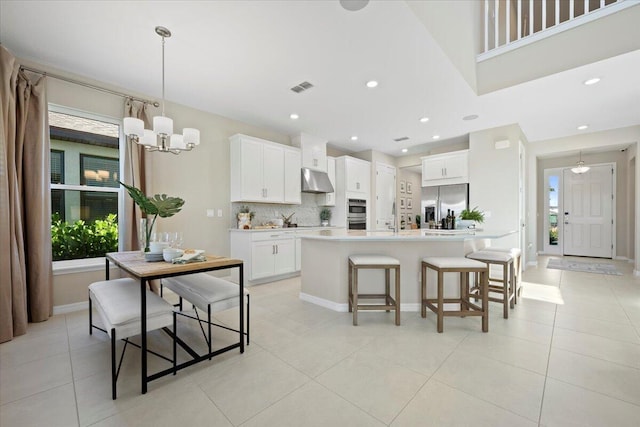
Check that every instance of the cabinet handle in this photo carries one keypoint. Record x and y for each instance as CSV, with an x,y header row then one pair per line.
x,y
315,162
445,171
357,185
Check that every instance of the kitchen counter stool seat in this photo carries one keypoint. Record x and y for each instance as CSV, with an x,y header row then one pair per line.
x,y
386,263
517,267
505,285
462,266
118,305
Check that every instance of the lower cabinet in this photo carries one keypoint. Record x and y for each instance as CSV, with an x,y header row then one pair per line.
x,y
265,254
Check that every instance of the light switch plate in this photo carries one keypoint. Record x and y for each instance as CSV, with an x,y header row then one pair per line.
x,y
210,213
219,213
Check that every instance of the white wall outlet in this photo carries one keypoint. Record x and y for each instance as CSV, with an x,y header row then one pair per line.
x,y
487,214
210,213
219,213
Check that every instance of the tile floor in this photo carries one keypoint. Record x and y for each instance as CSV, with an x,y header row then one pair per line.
x,y
568,355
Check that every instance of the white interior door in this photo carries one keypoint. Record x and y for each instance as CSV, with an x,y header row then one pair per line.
x,y
588,212
385,195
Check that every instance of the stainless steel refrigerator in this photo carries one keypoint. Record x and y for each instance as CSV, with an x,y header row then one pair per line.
x,y
436,201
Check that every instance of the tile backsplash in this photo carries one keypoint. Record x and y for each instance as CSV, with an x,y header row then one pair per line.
x,y
307,213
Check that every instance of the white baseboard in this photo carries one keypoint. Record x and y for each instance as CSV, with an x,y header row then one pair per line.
x,y
335,306
532,264
621,258
70,308
344,307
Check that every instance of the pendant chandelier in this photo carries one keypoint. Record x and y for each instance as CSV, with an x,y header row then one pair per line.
x,y
161,138
580,167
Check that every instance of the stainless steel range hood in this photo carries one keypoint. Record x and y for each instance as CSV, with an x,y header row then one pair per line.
x,y
314,181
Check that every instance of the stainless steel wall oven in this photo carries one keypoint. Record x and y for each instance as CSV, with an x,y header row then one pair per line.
x,y
357,214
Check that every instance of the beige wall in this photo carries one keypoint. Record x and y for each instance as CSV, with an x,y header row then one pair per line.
x,y
201,177
493,178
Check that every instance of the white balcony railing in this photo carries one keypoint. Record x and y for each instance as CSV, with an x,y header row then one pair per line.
x,y
509,24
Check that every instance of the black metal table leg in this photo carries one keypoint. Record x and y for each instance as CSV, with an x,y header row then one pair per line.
x,y
143,333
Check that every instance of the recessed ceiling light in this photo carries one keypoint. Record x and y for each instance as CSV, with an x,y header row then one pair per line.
x,y
470,117
592,81
404,150
582,127
372,83
354,138
436,136
424,119
294,116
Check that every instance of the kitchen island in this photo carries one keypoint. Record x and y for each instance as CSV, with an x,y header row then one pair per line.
x,y
325,255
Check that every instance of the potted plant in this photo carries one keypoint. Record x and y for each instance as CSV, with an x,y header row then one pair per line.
x,y
418,218
160,205
244,217
325,216
469,218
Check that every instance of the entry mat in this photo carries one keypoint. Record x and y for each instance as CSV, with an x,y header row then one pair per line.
x,y
584,266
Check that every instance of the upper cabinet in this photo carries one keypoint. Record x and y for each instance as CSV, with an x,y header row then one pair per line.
x,y
314,151
447,168
292,176
263,171
358,175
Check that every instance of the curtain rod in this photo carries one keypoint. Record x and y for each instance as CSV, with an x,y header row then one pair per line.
x,y
80,83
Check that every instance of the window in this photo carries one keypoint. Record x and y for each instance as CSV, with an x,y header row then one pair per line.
x,y
85,194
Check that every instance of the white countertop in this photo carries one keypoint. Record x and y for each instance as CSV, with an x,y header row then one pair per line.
x,y
289,229
404,235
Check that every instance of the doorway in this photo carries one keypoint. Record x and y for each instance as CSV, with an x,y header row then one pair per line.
x,y
588,210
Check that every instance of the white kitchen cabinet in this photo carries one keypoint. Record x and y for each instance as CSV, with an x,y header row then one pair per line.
x,y
358,175
448,168
314,151
292,185
329,199
263,171
266,254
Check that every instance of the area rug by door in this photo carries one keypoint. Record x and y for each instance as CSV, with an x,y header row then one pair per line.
x,y
584,266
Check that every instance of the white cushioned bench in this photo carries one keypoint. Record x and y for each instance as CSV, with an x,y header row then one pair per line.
x,y
209,294
118,305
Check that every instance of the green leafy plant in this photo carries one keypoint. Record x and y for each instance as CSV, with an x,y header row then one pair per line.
x,y
83,240
160,205
325,214
418,218
473,215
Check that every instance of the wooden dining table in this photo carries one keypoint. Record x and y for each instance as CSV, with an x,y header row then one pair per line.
x,y
135,265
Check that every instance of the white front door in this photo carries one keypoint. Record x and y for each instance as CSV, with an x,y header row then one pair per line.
x,y
588,212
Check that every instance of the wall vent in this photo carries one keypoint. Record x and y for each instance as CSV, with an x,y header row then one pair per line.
x,y
302,87
402,138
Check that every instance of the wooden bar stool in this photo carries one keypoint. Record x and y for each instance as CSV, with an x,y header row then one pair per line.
x,y
517,267
357,262
506,287
463,266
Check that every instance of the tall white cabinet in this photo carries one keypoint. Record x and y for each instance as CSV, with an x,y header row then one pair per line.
x,y
353,181
263,171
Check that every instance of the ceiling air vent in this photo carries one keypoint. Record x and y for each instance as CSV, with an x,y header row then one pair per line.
x,y
302,87
402,138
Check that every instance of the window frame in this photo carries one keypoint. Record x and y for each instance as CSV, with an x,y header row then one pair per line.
x,y
92,264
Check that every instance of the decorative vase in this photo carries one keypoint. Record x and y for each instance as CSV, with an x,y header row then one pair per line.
x,y
324,222
244,221
144,235
465,223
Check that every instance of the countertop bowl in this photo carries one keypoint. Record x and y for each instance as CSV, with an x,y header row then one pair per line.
x,y
169,254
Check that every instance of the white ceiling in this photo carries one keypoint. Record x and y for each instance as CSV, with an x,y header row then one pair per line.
x,y
239,59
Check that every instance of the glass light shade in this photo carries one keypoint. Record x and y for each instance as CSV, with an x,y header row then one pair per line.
x,y
133,126
580,169
162,124
191,136
149,138
177,141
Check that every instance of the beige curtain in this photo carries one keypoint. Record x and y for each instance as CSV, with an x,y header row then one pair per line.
x,y
26,278
134,174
